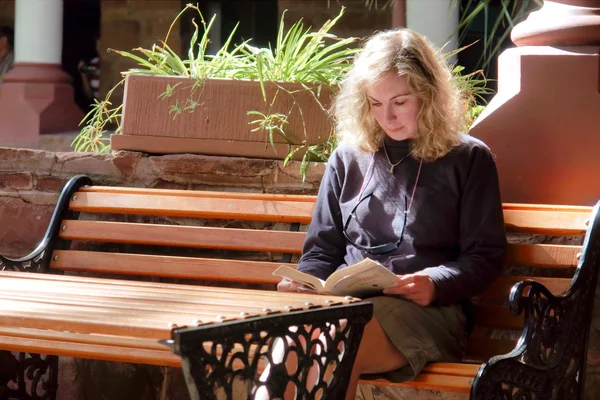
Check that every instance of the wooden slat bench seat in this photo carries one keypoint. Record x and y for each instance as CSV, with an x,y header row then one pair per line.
x,y
120,317
124,321
238,239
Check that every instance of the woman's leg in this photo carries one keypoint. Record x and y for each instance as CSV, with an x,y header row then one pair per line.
x,y
376,354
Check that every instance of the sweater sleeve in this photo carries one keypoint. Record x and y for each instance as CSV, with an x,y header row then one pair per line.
x,y
482,240
325,246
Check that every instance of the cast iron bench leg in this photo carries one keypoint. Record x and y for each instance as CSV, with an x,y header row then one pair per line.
x,y
217,357
32,376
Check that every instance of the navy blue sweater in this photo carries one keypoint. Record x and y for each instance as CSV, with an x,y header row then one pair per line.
x,y
454,231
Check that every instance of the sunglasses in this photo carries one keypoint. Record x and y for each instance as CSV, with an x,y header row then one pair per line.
x,y
382,248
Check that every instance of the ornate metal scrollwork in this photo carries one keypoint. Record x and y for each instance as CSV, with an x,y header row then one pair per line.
x,y
37,263
30,377
550,358
222,359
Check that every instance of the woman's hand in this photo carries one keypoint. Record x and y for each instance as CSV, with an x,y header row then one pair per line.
x,y
287,285
417,288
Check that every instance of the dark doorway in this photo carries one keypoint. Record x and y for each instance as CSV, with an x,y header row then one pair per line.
x,y
81,30
257,21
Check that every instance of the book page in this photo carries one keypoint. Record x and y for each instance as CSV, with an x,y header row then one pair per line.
x,y
364,278
300,277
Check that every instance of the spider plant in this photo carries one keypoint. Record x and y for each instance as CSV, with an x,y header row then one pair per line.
x,y
312,58
472,87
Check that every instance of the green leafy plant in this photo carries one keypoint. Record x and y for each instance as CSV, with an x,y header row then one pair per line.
x,y
311,58
91,137
272,124
472,87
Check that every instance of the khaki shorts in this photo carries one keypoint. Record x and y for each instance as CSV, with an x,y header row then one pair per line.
x,y
421,334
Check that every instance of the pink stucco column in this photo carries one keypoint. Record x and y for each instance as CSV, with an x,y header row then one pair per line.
x,y
543,125
36,97
399,14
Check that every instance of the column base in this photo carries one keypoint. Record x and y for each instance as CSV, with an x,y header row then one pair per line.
x,y
560,23
36,99
543,125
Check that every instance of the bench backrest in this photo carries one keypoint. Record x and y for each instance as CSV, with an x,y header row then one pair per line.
x,y
103,216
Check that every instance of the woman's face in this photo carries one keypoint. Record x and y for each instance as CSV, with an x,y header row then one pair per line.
x,y
394,106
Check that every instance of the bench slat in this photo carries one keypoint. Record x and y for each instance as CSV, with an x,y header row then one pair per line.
x,y
184,236
163,294
498,317
542,255
61,318
500,289
207,311
426,381
218,269
201,194
174,292
457,369
546,207
171,206
537,255
165,266
482,349
117,341
111,298
102,347
546,221
93,351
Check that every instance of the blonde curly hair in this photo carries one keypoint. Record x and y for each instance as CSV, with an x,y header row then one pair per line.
x,y
428,76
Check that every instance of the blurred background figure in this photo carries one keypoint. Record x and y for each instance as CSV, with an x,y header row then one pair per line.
x,y
6,50
90,78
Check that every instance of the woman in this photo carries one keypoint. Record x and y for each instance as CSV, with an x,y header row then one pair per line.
x,y
408,189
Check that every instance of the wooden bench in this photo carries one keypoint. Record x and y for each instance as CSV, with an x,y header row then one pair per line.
x,y
245,236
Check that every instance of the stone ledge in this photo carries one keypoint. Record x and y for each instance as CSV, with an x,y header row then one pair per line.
x,y
27,169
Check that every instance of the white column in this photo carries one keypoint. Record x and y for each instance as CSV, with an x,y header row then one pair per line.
x,y
436,19
38,31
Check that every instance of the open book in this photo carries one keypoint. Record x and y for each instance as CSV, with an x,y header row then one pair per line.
x,y
359,280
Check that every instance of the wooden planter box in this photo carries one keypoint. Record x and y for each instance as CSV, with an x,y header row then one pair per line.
x,y
219,124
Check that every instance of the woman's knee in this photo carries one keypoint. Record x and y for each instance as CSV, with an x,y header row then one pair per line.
x,y
376,352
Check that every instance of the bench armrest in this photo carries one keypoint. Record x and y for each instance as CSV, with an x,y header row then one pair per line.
x,y
39,259
220,359
550,357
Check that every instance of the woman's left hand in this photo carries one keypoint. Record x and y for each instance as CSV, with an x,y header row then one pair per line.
x,y
417,288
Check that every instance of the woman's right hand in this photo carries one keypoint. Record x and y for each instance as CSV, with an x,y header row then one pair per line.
x,y
287,285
